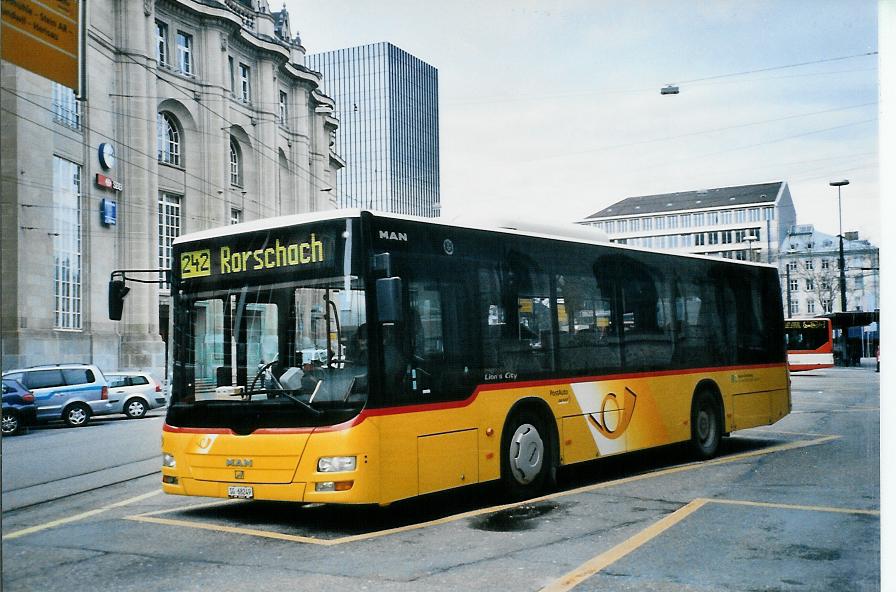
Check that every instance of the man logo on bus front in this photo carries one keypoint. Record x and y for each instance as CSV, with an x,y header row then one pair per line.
x,y
238,462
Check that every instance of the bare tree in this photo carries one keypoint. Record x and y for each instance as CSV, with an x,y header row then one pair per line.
x,y
820,279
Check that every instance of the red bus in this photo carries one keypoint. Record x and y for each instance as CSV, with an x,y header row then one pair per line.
x,y
810,344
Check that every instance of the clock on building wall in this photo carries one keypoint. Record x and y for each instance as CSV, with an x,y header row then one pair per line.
x,y
107,155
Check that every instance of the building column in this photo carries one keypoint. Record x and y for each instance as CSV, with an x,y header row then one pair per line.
x,y
141,343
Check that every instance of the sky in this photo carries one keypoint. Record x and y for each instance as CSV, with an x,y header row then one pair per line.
x,y
552,109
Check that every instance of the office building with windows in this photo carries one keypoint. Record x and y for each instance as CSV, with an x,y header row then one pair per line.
x,y
387,104
745,222
809,266
196,115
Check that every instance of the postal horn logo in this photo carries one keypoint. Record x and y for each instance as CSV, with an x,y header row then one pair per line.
x,y
615,414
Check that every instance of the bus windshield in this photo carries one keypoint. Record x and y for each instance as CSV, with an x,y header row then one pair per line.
x,y
254,354
806,335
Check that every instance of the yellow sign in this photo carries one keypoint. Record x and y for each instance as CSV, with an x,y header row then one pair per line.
x,y
196,264
42,36
279,255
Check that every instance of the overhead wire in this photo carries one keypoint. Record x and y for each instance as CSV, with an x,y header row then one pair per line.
x,y
771,68
700,132
310,175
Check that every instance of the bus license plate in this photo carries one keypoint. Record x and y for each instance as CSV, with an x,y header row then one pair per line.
x,y
240,492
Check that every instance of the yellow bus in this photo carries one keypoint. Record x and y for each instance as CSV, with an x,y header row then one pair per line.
x,y
353,357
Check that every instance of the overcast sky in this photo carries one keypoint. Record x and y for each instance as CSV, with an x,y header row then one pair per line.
x,y
553,109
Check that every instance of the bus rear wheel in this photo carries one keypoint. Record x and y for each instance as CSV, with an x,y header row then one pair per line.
x,y
526,457
706,425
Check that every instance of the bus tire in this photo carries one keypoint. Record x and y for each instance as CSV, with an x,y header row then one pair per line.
x,y
526,455
706,424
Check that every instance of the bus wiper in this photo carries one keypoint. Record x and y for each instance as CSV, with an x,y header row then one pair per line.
x,y
247,396
308,407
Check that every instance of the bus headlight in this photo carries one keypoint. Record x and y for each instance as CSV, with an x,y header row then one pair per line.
x,y
168,461
336,464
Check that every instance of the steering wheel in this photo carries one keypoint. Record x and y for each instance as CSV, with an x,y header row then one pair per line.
x,y
259,374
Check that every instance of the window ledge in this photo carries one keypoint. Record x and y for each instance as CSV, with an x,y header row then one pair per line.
x,y
178,167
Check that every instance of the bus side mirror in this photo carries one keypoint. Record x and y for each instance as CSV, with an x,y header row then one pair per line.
x,y
388,300
117,292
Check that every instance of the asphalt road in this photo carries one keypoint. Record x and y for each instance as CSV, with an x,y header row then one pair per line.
x,y
794,506
53,461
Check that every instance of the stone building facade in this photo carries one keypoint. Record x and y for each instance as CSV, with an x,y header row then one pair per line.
x,y
809,267
197,114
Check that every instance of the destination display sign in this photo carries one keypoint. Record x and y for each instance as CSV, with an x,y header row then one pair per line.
x,y
258,255
806,324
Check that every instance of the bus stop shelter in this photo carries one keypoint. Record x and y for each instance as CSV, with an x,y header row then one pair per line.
x,y
849,346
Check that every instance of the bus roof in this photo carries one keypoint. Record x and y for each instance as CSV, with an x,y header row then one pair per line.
x,y
520,227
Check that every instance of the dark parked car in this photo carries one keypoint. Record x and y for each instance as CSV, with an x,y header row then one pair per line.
x,y
19,409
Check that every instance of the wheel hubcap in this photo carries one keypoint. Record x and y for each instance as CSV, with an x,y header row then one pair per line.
x,y
77,416
704,426
135,409
526,453
9,424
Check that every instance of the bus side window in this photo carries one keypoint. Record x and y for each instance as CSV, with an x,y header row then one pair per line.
x,y
442,336
494,316
588,337
752,336
647,341
517,319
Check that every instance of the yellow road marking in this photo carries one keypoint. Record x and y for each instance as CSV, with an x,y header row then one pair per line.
x,y
607,558
694,465
785,433
847,410
796,507
81,516
591,567
232,529
192,507
152,516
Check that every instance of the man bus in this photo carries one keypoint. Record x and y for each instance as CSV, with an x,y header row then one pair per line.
x,y
489,354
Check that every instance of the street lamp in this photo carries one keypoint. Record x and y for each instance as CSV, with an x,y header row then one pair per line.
x,y
751,241
790,251
789,299
838,185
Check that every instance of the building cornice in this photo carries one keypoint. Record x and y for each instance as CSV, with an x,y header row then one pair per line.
x,y
654,214
281,51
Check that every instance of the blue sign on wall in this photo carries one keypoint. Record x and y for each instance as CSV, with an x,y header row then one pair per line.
x,y
109,211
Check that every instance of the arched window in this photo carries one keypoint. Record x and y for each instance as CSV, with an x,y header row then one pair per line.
x,y
236,164
168,139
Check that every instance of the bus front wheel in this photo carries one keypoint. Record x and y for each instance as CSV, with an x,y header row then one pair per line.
x,y
706,425
526,458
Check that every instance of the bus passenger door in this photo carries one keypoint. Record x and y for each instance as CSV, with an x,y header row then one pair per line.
x,y
429,357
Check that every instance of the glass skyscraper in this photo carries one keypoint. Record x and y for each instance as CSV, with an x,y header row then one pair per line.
x,y
387,103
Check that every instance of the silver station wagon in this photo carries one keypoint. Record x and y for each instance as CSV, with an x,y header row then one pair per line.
x,y
135,392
